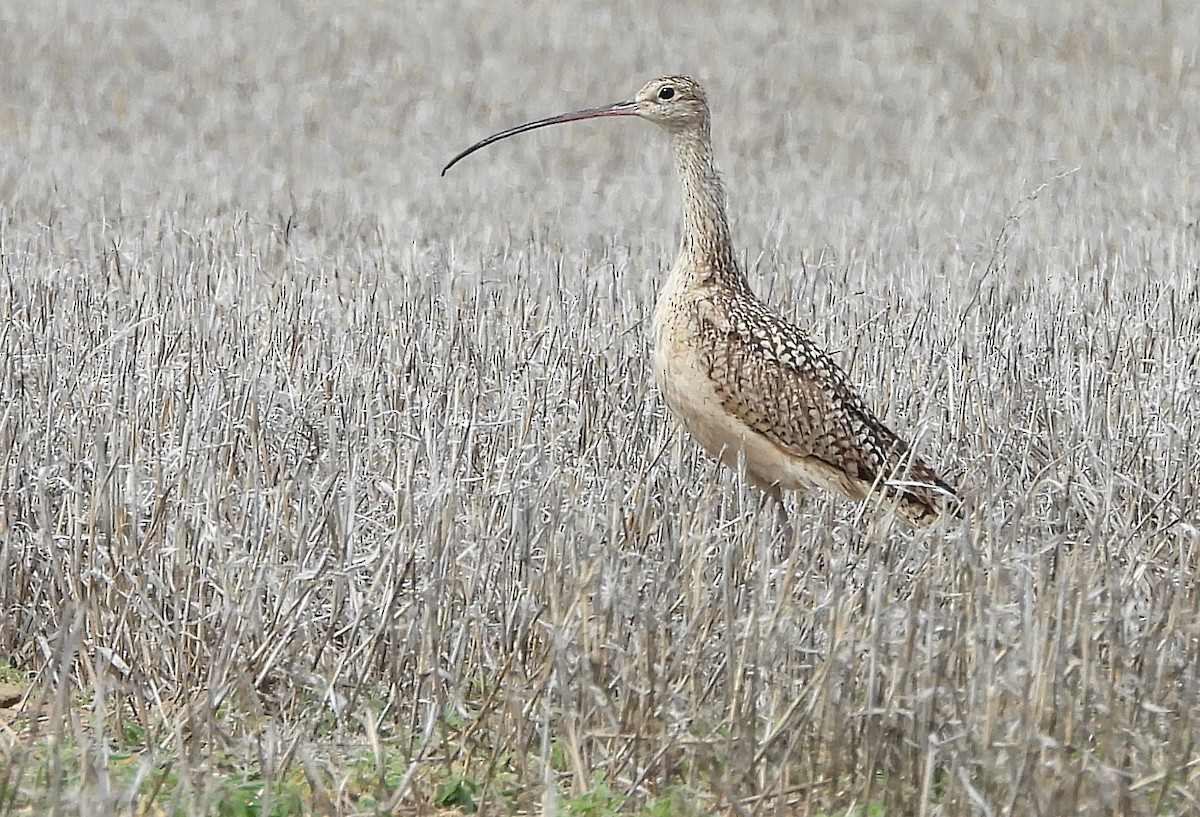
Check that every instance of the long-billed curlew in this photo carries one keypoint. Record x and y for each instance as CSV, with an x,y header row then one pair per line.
x,y
750,387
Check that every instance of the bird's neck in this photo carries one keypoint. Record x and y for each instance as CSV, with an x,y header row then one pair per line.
x,y
705,247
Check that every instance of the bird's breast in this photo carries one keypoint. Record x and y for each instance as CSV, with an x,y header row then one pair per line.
x,y
679,368
682,360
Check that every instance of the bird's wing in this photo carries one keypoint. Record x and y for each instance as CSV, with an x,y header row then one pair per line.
x,y
775,380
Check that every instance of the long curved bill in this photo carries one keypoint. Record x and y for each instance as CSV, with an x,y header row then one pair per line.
x,y
616,109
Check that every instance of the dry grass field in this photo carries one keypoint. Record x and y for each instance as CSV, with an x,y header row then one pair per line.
x,y
330,486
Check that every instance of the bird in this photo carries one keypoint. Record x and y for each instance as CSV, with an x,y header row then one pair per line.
x,y
751,387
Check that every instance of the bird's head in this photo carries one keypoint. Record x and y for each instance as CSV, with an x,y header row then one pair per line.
x,y
674,103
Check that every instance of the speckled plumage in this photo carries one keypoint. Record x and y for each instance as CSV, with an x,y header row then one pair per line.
x,y
751,388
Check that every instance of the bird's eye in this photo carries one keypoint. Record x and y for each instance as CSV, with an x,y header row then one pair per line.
x,y
666,92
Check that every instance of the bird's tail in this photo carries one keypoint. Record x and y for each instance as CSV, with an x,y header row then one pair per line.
x,y
922,493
